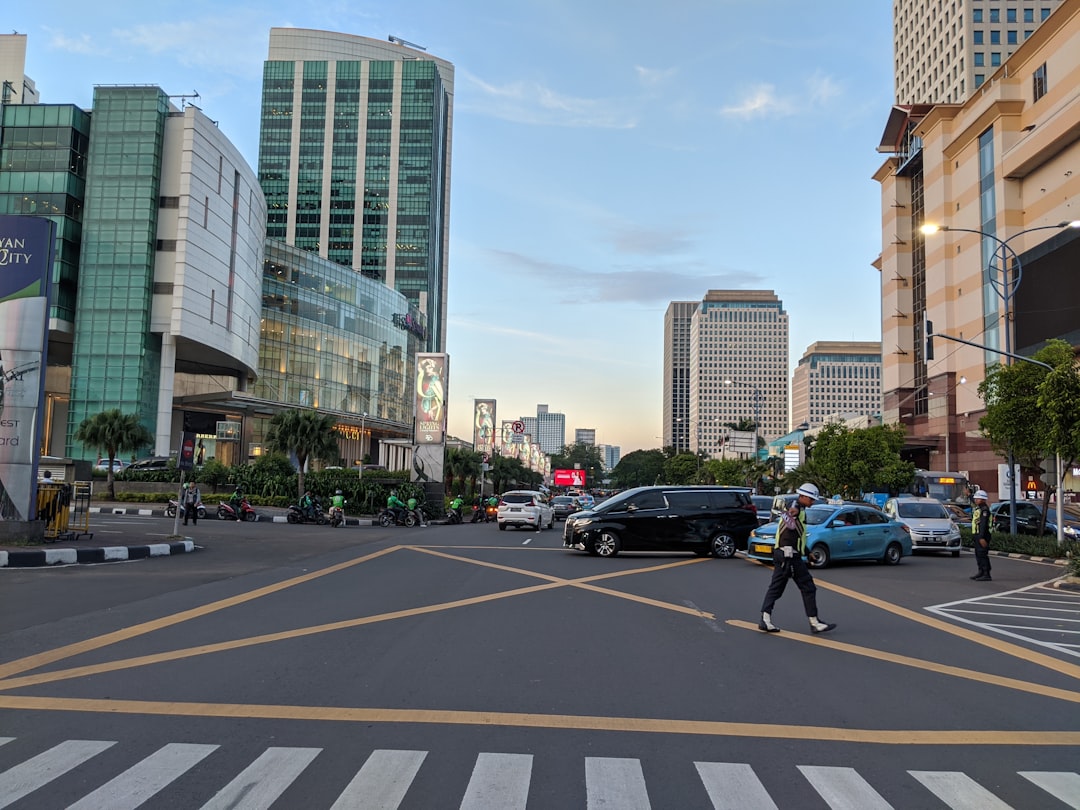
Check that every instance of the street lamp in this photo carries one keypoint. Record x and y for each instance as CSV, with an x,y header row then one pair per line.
x,y
363,420
1005,288
757,410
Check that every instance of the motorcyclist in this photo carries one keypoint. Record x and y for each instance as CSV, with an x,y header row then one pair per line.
x,y
337,502
414,507
395,505
234,502
456,504
307,505
493,503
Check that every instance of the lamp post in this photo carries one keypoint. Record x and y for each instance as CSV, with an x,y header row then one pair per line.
x,y
363,435
1005,288
757,410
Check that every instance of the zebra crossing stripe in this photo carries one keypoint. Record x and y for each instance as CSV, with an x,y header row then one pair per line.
x,y
734,786
1065,787
959,791
843,788
499,782
37,771
140,782
611,782
261,783
382,781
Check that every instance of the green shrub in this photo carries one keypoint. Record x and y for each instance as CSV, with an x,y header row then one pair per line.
x,y
1045,546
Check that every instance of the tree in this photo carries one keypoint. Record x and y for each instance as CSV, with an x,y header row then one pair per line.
x,y
682,469
1059,400
111,432
461,466
304,434
852,462
639,468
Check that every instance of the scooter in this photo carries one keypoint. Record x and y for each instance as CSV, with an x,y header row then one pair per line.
x,y
337,516
170,510
491,513
453,517
226,512
404,518
296,514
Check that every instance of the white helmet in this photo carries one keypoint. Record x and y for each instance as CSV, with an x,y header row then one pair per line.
x,y
980,494
807,489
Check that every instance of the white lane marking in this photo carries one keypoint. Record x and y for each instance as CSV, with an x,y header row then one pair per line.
x,y
734,786
615,783
37,771
843,788
499,782
261,783
959,791
382,781
140,782
1065,787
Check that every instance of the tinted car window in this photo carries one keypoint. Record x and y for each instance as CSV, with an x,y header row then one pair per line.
x,y
650,499
694,501
728,500
517,498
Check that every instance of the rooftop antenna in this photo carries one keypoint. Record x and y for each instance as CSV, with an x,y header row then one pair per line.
x,y
400,41
185,96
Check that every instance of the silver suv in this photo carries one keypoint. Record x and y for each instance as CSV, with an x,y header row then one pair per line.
x,y
928,522
525,507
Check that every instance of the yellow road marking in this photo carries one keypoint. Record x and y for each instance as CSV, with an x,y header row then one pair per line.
x,y
713,728
918,663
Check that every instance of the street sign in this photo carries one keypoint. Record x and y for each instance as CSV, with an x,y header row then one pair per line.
x,y
518,426
517,438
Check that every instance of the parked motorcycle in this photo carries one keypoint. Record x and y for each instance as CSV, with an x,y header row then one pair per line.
x,y
226,512
404,518
170,510
296,514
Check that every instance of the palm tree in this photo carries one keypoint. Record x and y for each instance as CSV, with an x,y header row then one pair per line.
x,y
304,434
111,432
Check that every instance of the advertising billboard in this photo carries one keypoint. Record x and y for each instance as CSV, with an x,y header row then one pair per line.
x,y
430,397
484,425
26,245
569,478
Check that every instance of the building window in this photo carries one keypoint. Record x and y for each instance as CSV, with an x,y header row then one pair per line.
x,y
995,15
977,37
1043,14
169,202
1038,81
995,59
995,37
1012,38
1010,15
168,245
1029,15
979,79
977,15
979,59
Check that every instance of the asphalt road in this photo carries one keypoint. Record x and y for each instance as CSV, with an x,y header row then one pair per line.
x,y
460,666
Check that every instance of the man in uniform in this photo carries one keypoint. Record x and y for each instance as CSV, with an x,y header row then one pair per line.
x,y
980,535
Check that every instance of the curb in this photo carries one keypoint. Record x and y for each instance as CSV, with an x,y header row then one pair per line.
x,y
37,558
1010,555
347,522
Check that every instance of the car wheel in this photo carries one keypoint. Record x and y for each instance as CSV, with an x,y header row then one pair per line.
x,y
502,527
956,554
893,553
606,544
818,556
539,527
722,546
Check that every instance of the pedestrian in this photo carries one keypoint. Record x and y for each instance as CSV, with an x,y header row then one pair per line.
x,y
980,534
788,562
192,499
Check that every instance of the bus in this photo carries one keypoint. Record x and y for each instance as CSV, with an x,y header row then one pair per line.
x,y
947,487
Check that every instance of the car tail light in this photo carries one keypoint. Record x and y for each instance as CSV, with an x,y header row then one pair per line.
x,y
750,508
905,527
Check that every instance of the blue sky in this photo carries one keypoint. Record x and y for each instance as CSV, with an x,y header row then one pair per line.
x,y
610,156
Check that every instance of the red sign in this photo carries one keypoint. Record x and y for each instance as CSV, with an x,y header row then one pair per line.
x,y
569,478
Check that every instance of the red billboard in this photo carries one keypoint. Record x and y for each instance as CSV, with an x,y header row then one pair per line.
x,y
569,478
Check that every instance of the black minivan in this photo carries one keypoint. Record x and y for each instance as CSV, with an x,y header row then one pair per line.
x,y
706,520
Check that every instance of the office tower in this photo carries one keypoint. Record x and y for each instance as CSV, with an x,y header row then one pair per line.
x,y
836,378
676,396
998,173
609,456
943,50
15,86
585,436
354,159
738,366
548,429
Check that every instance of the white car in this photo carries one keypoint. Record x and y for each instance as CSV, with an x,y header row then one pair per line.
x,y
103,465
928,522
525,507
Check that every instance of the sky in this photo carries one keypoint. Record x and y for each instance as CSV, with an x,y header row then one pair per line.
x,y
609,157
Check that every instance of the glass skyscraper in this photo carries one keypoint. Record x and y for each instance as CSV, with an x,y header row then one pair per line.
x,y
354,159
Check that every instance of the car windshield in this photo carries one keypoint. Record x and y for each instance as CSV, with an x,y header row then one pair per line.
x,y
816,515
921,509
562,499
762,502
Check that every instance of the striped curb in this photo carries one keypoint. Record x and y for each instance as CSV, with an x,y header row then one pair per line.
x,y
33,558
348,521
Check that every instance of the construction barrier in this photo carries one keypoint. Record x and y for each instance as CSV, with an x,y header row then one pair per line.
x,y
65,509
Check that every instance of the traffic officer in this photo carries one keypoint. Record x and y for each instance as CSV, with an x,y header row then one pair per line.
x,y
980,535
788,562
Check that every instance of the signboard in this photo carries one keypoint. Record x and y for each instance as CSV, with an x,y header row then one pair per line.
x,y
186,459
1003,482
517,426
26,245
483,425
430,397
569,478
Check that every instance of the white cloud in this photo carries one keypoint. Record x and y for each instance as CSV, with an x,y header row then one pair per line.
x,y
763,100
528,102
234,44
652,77
758,102
84,44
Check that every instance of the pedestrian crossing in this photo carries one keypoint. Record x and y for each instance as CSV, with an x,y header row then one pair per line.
x,y
498,781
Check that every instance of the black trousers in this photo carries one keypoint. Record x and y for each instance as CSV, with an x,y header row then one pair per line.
x,y
795,568
191,512
982,557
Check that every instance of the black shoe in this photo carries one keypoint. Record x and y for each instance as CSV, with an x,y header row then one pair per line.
x,y
983,578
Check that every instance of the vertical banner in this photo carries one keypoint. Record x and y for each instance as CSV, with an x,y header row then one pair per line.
x,y
484,425
506,433
26,245
431,386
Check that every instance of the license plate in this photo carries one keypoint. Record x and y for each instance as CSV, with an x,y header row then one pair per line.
x,y
758,548
515,508
934,541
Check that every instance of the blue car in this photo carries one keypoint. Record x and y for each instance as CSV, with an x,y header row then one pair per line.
x,y
840,532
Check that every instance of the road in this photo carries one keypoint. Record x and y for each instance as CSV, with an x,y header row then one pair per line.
x,y
460,666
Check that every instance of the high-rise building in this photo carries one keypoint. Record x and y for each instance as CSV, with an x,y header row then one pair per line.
x,y
999,175
609,456
354,159
15,86
676,400
548,429
836,378
738,366
585,436
944,50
